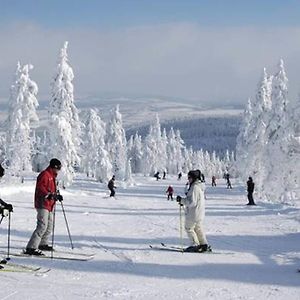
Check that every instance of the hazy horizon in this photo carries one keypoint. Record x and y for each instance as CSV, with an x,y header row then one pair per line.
x,y
197,52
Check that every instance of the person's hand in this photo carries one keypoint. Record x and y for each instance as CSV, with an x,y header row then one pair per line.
x,y
178,199
9,207
59,198
50,196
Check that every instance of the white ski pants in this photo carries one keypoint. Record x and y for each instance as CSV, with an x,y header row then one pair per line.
x,y
195,232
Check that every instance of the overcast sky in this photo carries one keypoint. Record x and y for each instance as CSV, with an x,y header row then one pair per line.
x,y
195,50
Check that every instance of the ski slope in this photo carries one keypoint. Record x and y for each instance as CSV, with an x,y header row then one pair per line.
x,y
257,248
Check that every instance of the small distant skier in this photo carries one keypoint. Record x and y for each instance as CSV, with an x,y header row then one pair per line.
x,y
179,176
250,190
228,182
194,204
213,181
170,192
44,201
164,175
111,186
156,175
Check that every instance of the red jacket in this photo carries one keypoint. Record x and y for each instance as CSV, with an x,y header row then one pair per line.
x,y
45,184
170,190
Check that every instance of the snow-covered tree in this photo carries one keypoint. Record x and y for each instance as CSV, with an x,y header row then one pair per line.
x,y
136,154
22,112
277,134
40,152
95,161
257,140
175,152
116,144
65,127
155,151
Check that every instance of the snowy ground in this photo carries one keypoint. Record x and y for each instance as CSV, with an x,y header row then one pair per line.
x,y
257,247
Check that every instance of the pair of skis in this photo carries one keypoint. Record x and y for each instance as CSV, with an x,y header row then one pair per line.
x,y
165,247
8,266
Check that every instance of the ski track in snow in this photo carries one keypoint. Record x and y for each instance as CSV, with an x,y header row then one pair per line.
x,y
258,247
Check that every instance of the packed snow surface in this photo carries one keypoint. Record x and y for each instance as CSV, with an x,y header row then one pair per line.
x,y
256,248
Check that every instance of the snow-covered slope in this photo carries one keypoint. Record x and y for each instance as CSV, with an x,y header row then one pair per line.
x,y
257,248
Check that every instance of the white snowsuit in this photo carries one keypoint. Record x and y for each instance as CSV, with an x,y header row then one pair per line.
x,y
194,204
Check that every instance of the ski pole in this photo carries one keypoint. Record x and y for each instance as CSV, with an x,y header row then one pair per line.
x,y
180,226
67,225
53,229
8,237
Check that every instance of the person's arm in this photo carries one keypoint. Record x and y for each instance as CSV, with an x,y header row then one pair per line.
x,y
43,186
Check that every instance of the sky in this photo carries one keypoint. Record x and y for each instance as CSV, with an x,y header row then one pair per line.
x,y
196,51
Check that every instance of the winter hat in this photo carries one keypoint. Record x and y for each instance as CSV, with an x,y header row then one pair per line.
x,y
55,164
194,174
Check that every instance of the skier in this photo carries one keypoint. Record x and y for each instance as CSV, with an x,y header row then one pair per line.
x,y
1,171
5,208
179,176
227,177
194,204
164,175
250,190
111,186
44,201
213,181
3,205
156,175
170,192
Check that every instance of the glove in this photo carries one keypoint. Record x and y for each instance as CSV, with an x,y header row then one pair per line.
x,y
50,196
9,207
59,198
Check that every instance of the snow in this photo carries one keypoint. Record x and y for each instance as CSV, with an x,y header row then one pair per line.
x,y
257,248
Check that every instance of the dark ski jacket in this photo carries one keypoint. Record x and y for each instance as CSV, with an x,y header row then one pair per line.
x,y
250,186
111,184
45,185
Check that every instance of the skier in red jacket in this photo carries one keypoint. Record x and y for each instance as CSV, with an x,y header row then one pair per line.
x,y
170,192
44,202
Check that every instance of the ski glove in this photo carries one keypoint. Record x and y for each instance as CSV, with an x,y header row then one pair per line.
x,y
9,207
178,199
59,198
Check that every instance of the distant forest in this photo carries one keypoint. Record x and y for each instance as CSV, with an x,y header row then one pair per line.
x,y
211,133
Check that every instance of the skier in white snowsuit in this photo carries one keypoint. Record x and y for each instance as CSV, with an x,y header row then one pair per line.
x,y
194,204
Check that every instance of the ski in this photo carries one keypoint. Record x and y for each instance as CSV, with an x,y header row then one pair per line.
x,y
57,256
14,267
166,247
60,252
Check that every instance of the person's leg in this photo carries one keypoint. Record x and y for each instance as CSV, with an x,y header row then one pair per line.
x,y
171,196
45,237
200,233
41,228
190,230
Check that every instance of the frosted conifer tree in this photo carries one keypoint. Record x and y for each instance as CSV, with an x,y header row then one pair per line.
x,y
137,154
154,152
117,144
277,133
22,111
242,142
65,127
257,140
96,162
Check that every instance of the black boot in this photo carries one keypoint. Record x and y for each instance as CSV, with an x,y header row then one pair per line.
x,y
46,248
203,248
31,251
193,248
